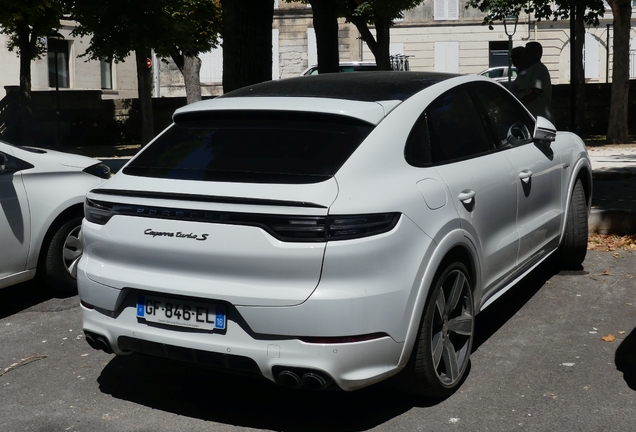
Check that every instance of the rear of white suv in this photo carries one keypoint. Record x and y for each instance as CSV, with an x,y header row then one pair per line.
x,y
330,231
216,245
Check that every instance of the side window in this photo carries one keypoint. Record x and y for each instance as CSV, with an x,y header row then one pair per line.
x,y
418,147
11,165
455,128
511,124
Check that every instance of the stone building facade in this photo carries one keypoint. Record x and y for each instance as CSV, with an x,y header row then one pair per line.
x,y
117,80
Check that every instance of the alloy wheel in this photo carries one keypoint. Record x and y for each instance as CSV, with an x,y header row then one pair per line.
x,y
72,251
452,328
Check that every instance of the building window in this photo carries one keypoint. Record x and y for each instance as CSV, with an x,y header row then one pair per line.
x,y
57,55
497,53
446,10
106,71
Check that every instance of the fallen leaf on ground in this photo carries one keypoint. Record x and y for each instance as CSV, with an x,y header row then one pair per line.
x,y
609,338
611,242
621,332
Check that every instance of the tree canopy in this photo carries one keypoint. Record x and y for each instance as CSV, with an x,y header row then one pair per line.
x,y
179,28
26,22
381,14
496,10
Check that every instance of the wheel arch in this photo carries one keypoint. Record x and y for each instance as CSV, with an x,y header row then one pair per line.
x,y
585,175
76,210
454,247
582,171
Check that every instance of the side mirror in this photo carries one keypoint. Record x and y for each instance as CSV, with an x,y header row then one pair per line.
x,y
3,162
544,130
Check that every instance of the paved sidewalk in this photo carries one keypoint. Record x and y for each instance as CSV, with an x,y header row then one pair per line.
x,y
614,189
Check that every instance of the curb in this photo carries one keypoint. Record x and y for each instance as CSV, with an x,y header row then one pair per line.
x,y
612,221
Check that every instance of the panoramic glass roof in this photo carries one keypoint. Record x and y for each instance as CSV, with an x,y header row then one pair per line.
x,y
359,86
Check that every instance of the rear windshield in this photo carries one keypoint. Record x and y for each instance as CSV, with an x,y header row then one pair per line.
x,y
252,146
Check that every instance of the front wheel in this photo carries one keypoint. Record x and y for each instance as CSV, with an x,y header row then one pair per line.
x,y
442,349
63,252
573,248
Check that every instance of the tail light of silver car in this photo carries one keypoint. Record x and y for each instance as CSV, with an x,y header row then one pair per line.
x,y
286,228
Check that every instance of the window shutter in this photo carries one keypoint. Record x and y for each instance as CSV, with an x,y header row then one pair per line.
x,y
591,56
439,10
212,65
275,56
312,48
447,57
453,9
632,59
396,48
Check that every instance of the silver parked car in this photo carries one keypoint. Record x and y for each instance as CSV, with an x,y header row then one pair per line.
x,y
500,74
333,230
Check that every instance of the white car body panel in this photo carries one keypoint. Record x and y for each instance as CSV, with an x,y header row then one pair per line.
x,y
38,195
280,294
372,112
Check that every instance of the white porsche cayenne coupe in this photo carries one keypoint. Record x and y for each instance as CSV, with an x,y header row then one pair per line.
x,y
41,209
331,231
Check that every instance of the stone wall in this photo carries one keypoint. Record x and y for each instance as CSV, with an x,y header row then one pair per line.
x,y
87,119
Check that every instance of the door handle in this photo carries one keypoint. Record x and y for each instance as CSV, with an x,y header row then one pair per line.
x,y
466,196
525,176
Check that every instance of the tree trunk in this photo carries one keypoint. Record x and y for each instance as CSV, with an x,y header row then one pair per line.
x,y
617,132
382,28
379,47
191,78
144,90
326,27
247,42
579,42
23,131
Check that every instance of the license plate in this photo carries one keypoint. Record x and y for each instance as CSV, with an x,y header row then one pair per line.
x,y
182,313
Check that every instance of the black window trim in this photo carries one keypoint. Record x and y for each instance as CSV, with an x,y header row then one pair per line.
x,y
486,120
491,143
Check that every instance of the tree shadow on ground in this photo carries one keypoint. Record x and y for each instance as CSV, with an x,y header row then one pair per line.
x,y
625,359
255,402
248,401
20,297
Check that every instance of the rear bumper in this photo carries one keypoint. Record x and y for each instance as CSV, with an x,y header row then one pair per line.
x,y
350,365
367,286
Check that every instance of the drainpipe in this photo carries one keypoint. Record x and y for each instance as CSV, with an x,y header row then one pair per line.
x,y
525,38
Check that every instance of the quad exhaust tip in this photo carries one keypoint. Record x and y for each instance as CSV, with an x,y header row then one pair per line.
x,y
98,342
303,379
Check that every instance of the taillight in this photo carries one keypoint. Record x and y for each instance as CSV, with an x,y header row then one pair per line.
x,y
330,228
98,212
357,226
284,228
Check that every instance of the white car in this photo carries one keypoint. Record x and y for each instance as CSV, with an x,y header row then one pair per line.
x,y
331,231
500,74
42,195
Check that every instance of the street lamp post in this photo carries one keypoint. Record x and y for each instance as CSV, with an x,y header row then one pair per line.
x,y
57,37
510,20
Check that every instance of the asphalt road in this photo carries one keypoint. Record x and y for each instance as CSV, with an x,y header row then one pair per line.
x,y
539,364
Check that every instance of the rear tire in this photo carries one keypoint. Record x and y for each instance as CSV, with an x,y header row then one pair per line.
x,y
441,353
573,248
63,252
